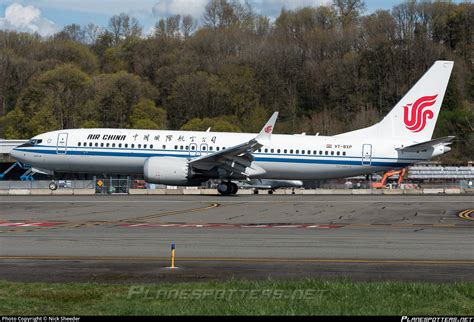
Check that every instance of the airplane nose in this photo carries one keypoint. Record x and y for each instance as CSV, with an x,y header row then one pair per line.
x,y
14,153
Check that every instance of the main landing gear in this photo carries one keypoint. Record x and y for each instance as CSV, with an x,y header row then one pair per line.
x,y
227,188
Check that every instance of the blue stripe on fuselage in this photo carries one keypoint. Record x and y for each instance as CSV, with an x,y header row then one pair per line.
x,y
88,150
300,159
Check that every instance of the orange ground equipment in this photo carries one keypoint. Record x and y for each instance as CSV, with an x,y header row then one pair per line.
x,y
381,185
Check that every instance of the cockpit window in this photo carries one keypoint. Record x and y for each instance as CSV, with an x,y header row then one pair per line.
x,y
35,141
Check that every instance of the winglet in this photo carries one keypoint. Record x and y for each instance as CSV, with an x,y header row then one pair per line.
x,y
267,130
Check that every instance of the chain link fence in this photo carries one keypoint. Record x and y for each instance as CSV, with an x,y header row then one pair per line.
x,y
44,184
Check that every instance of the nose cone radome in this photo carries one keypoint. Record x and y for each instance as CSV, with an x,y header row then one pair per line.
x,y
17,155
14,153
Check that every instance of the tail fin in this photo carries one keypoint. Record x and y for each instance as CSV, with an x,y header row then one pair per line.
x,y
414,117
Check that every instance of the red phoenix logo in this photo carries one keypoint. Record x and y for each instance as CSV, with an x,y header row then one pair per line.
x,y
415,120
268,129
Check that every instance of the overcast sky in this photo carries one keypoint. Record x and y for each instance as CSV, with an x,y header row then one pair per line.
x,y
49,16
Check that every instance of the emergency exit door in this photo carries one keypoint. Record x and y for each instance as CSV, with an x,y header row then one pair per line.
x,y
367,154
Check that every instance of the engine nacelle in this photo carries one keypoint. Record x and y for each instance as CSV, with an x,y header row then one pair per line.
x,y
166,170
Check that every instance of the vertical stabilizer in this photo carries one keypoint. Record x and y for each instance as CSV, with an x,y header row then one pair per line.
x,y
414,117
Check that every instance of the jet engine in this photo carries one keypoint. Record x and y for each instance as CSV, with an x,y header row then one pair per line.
x,y
166,170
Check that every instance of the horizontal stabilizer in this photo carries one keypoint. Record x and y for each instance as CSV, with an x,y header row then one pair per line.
x,y
428,144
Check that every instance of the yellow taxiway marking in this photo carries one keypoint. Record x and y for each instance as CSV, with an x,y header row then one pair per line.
x,y
248,260
467,214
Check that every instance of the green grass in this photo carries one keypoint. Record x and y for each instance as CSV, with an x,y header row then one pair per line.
x,y
339,297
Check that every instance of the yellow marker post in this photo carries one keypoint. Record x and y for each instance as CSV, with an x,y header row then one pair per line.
x,y
172,255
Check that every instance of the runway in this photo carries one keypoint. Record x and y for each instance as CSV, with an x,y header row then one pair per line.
x,y
127,238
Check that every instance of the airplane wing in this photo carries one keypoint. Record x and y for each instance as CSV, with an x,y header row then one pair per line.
x,y
238,159
428,144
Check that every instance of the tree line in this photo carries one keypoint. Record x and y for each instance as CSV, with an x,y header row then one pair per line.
x,y
327,69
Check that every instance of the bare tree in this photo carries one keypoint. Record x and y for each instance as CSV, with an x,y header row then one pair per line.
x,y
349,10
224,14
124,27
188,25
92,33
172,26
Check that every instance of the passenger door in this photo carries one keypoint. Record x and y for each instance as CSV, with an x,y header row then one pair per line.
x,y
62,143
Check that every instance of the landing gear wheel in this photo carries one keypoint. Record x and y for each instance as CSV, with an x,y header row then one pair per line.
x,y
53,185
234,188
224,188
227,188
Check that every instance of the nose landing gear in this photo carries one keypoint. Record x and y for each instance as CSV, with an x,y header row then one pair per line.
x,y
53,185
227,188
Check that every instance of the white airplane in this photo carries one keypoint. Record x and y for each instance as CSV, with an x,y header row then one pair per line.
x,y
270,185
188,158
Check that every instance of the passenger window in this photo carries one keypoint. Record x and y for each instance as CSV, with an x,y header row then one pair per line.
x,y
320,152
90,143
144,146
326,153
297,151
266,150
291,151
164,147
102,145
139,146
96,144
302,151
278,151
272,150
259,150
151,146
344,153
210,148
113,145
79,144
133,145
126,145
332,152
285,151
338,153
204,148
108,144
176,147
85,144
193,147
120,145
217,148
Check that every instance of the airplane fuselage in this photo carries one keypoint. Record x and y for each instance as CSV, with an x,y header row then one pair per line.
x,y
287,157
